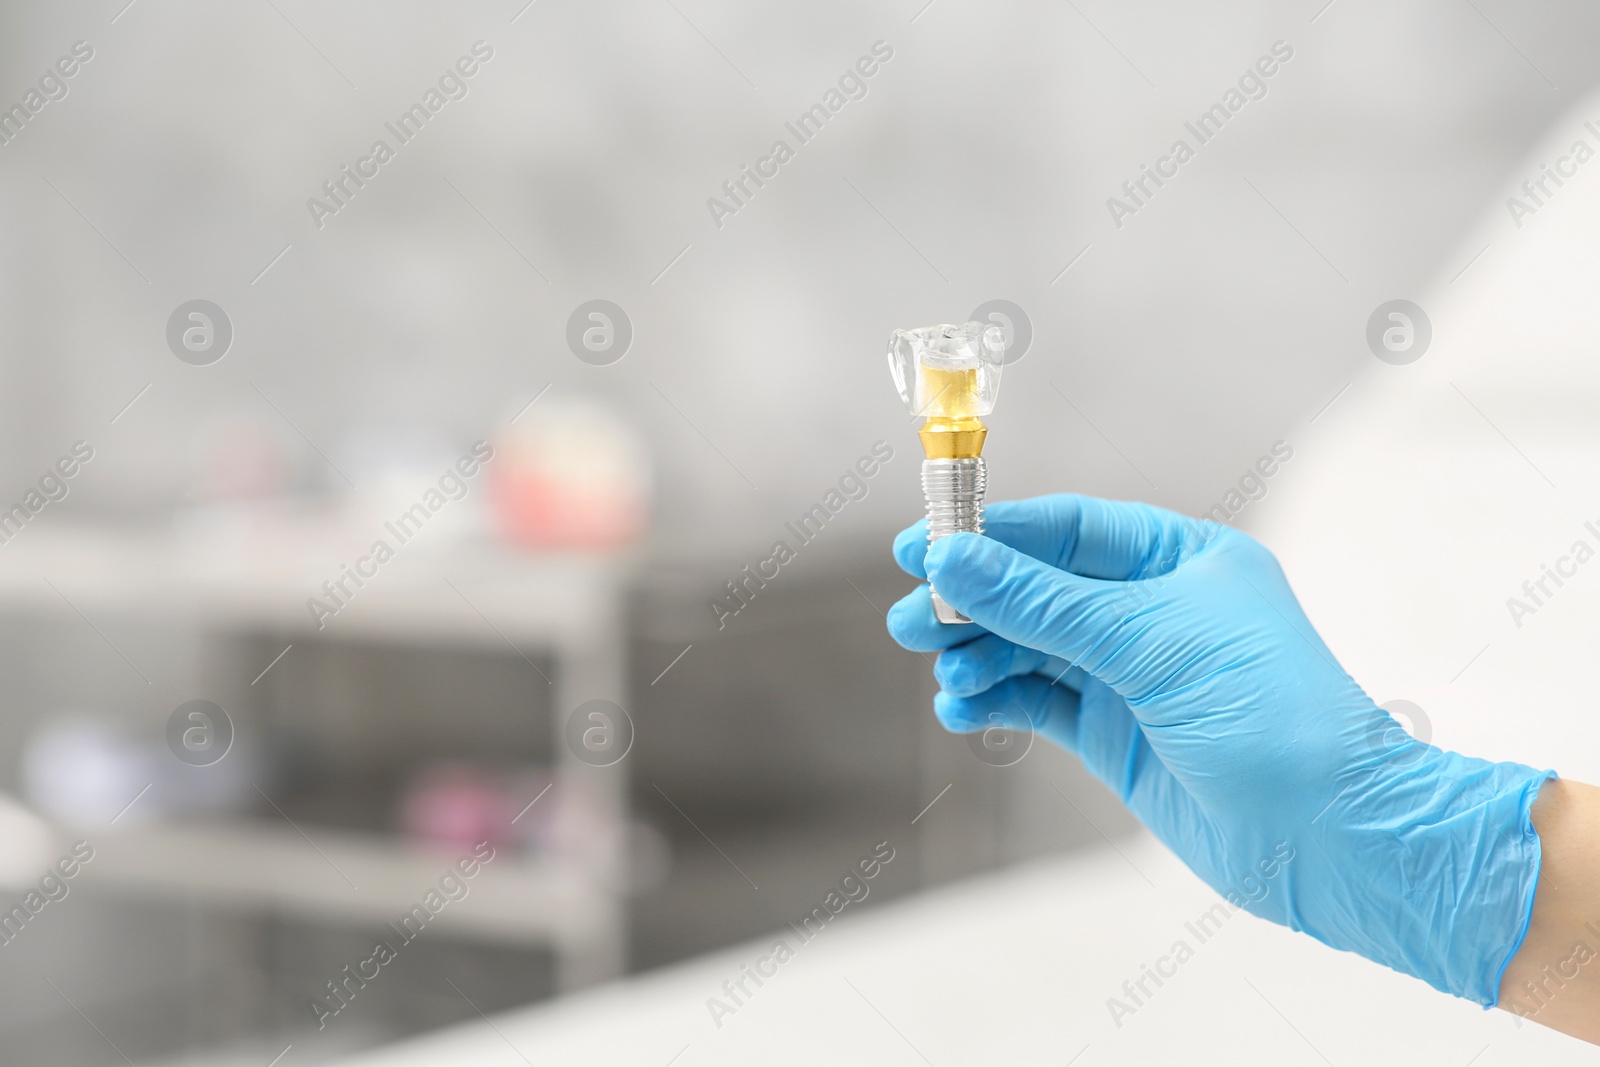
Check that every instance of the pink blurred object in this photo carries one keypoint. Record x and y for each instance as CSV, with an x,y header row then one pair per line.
x,y
241,459
570,474
458,805
521,809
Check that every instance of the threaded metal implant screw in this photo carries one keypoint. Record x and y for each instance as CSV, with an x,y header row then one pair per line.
x,y
953,489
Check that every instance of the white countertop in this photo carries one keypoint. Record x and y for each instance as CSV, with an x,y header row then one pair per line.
x,y
1014,968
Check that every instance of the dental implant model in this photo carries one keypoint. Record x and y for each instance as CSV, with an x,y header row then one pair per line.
x,y
950,376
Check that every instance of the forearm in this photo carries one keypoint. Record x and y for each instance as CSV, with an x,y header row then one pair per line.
x,y
1554,979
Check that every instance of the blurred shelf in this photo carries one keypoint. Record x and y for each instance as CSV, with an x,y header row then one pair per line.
x,y
255,570
335,875
457,590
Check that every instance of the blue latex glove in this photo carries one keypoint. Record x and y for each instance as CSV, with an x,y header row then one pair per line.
x,y
1172,657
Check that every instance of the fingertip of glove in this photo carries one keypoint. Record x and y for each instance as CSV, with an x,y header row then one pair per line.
x,y
910,546
896,621
954,713
956,673
962,564
953,550
908,619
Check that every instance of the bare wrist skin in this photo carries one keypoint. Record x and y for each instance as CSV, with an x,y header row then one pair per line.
x,y
1554,979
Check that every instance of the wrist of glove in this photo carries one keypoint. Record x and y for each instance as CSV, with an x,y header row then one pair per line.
x,y
1172,657
1428,868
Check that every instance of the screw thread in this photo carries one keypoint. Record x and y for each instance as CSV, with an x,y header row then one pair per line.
x,y
953,490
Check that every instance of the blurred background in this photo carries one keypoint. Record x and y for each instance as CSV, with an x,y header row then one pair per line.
x,y
243,347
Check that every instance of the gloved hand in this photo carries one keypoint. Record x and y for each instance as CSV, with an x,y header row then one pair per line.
x,y
1170,654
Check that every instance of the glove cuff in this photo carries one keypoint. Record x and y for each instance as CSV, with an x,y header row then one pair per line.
x,y
1525,829
1449,864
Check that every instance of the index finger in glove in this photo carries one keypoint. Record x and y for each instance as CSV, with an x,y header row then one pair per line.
x,y
1029,602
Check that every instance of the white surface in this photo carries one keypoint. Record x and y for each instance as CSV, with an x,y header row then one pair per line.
x,y
1015,969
